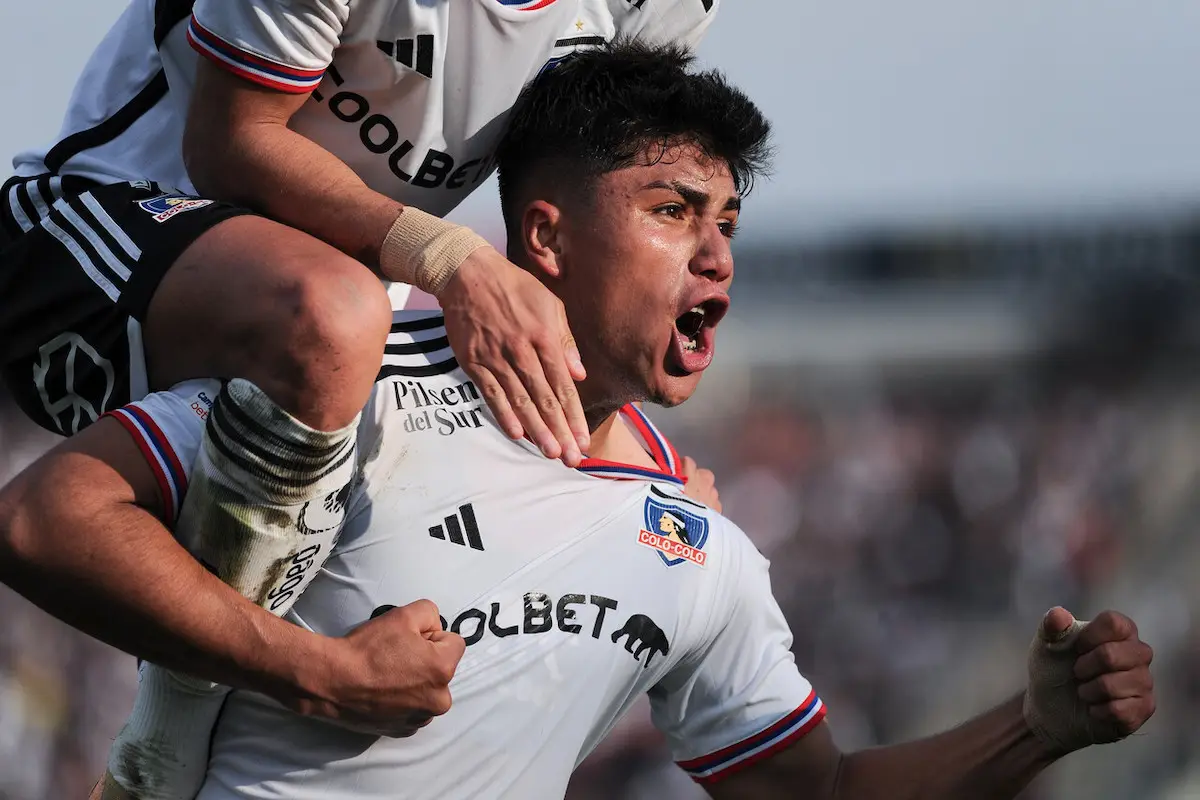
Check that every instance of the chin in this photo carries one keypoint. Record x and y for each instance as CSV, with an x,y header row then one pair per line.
x,y
672,391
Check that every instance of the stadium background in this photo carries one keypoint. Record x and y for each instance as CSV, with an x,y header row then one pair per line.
x,y
960,383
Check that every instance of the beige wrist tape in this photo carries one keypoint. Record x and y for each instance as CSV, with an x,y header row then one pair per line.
x,y
424,251
1053,709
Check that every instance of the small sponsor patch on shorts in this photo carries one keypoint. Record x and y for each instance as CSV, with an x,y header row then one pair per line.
x,y
166,206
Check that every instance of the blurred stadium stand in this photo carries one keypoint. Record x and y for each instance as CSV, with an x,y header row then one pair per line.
x,y
934,437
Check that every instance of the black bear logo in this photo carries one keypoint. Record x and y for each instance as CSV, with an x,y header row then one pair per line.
x,y
648,637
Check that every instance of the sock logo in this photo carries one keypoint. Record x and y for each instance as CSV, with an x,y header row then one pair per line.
x,y
336,503
327,514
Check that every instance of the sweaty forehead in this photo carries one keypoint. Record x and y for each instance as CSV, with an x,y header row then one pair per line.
x,y
686,163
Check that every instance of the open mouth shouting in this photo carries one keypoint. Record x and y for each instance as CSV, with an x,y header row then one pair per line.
x,y
694,341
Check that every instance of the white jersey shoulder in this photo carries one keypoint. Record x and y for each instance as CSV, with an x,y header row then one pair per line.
x,y
575,595
411,94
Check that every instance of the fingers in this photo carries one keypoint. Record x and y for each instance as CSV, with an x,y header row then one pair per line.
x,y
511,335
1114,674
701,484
521,388
1056,625
1117,686
561,407
494,396
423,615
446,651
574,360
1108,626
400,729
523,403
1113,657
564,384
552,416
451,647
1124,716
397,676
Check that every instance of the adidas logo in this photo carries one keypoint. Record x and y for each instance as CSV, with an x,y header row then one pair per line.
x,y
454,528
403,50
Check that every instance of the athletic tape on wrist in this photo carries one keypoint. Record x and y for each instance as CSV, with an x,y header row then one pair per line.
x,y
425,251
1053,709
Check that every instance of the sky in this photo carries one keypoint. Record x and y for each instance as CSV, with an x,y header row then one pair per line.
x,y
886,113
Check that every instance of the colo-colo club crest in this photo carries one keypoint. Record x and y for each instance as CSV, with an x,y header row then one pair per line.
x,y
676,533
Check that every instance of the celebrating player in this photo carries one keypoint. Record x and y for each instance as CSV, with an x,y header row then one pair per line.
x,y
575,591
226,174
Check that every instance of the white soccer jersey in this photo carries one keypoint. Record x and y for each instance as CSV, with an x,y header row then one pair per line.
x,y
411,94
575,590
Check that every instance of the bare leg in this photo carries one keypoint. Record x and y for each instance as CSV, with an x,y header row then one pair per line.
x,y
300,328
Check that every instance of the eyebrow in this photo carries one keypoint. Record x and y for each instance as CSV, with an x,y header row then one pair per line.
x,y
692,195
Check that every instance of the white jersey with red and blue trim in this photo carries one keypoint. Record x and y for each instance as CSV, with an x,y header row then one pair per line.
x,y
411,94
576,591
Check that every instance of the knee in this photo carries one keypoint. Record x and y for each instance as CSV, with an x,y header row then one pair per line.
x,y
328,333
340,311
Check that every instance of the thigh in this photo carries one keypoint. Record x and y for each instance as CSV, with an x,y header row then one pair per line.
x,y
253,298
79,263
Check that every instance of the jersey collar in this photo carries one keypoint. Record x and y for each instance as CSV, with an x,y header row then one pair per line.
x,y
657,446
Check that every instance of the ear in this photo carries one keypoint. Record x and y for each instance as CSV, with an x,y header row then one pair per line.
x,y
542,238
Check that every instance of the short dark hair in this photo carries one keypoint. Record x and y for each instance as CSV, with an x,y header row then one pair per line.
x,y
601,109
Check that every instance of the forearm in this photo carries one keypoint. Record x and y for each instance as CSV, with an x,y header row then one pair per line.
x,y
115,573
284,176
991,757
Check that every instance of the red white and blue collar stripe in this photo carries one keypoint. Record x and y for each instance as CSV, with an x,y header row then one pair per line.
x,y
737,757
159,454
657,445
663,452
250,66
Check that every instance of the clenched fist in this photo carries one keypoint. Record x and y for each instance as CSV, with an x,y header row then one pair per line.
x,y
1089,682
393,673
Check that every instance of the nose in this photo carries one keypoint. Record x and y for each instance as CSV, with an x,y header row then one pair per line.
x,y
713,258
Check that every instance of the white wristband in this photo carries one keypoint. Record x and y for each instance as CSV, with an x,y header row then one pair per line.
x,y
424,251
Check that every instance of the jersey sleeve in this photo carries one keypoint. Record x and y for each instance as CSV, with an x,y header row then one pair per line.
x,y
281,44
659,21
739,698
168,428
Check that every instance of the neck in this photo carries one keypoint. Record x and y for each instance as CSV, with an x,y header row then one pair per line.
x,y
600,402
600,418
612,440
602,434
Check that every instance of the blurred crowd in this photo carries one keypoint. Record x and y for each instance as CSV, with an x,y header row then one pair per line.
x,y
919,523
918,530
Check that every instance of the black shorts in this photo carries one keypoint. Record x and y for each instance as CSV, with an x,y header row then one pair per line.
x,y
79,262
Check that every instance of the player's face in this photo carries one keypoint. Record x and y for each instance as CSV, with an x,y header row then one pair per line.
x,y
647,274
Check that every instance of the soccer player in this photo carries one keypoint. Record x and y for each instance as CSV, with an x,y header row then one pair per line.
x,y
575,591
228,176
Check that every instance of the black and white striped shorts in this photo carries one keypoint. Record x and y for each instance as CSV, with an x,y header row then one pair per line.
x,y
79,262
